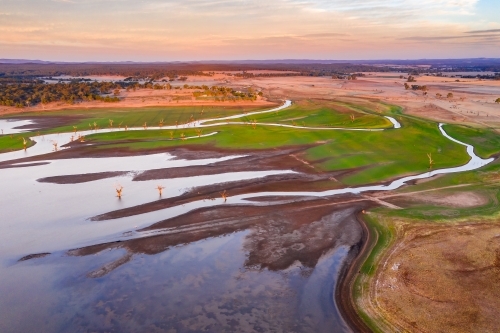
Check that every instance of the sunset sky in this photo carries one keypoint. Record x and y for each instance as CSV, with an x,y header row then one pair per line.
x,y
167,30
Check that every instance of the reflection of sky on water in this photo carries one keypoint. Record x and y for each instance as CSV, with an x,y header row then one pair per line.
x,y
194,287
8,126
58,214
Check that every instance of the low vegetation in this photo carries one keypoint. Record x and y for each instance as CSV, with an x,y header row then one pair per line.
x,y
29,94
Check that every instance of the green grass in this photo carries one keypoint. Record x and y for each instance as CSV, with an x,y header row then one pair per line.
x,y
136,117
486,142
381,220
376,156
384,237
14,142
379,155
322,114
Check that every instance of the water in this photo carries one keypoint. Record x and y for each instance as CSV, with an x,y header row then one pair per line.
x,y
201,286
45,144
149,218
162,283
49,225
8,126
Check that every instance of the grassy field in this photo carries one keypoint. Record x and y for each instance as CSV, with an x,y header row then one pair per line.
x,y
383,222
378,156
320,113
132,117
485,141
374,156
14,142
136,117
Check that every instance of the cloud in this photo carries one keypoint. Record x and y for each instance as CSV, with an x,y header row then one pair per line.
x,y
236,28
371,8
482,31
437,38
323,35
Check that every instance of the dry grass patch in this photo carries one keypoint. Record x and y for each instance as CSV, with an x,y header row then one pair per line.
x,y
441,278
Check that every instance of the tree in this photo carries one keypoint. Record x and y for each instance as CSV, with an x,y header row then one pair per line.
x,y
450,95
438,95
498,100
407,86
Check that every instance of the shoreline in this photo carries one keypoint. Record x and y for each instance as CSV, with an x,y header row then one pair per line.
x,y
347,277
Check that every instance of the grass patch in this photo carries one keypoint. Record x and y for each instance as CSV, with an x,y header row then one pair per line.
x,y
379,156
322,113
486,142
384,237
14,142
136,117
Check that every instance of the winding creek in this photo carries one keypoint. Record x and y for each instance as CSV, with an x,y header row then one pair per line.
x,y
205,274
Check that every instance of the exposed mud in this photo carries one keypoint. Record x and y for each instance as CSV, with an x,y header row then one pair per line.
x,y
442,278
290,240
266,160
34,256
83,178
281,235
285,182
344,291
460,199
47,122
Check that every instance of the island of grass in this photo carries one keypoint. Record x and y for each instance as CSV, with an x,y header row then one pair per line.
x,y
325,113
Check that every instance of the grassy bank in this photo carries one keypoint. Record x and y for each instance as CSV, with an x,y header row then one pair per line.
x,y
386,227
375,156
315,113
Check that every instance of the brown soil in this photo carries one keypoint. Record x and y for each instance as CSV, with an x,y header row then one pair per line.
x,y
434,112
441,279
287,182
279,235
139,98
76,179
458,199
274,159
47,122
34,256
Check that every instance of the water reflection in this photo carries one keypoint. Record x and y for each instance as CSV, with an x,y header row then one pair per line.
x,y
200,286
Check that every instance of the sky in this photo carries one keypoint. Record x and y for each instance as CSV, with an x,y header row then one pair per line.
x,y
173,30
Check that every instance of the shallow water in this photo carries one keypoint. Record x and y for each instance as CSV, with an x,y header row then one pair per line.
x,y
46,144
205,284
149,218
201,286
8,126
48,225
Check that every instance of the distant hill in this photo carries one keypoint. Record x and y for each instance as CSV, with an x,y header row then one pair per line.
x,y
24,61
408,62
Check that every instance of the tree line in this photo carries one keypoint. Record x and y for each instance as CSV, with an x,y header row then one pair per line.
x,y
222,93
29,94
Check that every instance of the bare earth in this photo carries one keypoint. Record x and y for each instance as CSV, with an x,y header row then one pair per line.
x,y
441,278
434,278
473,100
